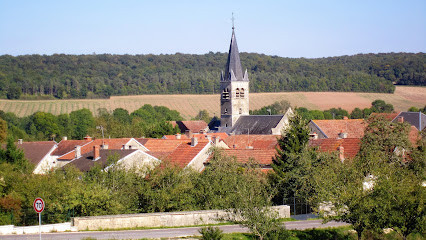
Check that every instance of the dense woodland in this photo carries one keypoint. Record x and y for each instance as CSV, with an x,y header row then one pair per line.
x,y
99,76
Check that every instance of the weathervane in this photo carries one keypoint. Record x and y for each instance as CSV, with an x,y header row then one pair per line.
x,y
232,21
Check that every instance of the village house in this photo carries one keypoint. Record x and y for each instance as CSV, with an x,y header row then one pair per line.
x,y
39,154
337,128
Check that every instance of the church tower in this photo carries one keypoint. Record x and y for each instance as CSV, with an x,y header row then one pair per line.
x,y
234,86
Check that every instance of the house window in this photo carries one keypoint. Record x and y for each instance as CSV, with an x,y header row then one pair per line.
x,y
226,111
242,93
237,93
225,93
241,111
226,125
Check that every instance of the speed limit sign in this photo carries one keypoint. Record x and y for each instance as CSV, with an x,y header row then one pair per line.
x,y
38,205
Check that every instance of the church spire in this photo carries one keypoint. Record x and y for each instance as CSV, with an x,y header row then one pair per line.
x,y
233,70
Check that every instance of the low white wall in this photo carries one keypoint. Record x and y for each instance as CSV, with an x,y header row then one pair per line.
x,y
170,219
58,227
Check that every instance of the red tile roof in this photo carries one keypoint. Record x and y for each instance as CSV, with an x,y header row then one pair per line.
x,y
262,156
413,135
115,143
387,116
184,153
176,151
255,141
351,146
36,151
353,127
66,146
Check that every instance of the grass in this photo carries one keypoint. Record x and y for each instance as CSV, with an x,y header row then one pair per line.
x,y
189,105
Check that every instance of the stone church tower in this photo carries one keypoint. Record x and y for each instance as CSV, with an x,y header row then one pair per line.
x,y
234,86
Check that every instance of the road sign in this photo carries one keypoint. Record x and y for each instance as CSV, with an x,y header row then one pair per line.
x,y
38,205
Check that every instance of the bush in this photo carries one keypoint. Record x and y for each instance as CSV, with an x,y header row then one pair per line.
x,y
211,233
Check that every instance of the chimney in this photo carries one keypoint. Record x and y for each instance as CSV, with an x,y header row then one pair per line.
x,y
96,154
88,138
178,135
194,141
345,118
20,141
188,133
341,153
343,134
77,151
64,138
124,146
401,119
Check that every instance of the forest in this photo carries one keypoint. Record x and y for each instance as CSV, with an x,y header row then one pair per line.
x,y
64,76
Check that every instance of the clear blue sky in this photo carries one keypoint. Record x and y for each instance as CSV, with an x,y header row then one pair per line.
x,y
309,29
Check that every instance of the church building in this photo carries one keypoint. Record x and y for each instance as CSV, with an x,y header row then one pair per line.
x,y
234,101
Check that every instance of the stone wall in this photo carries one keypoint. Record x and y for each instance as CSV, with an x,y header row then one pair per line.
x,y
171,219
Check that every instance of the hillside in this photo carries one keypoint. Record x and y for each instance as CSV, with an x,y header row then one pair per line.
x,y
100,76
190,105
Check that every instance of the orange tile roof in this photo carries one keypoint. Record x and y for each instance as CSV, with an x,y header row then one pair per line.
x,y
184,153
353,127
255,141
221,135
413,135
387,116
262,156
351,146
182,136
161,145
115,143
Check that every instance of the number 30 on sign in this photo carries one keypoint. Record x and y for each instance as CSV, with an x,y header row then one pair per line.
x,y
38,205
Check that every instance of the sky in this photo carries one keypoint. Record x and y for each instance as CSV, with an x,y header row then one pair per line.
x,y
309,29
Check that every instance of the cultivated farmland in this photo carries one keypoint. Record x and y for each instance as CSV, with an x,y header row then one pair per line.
x,y
189,105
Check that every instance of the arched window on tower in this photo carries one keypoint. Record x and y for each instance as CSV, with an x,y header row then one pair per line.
x,y
225,93
242,93
237,93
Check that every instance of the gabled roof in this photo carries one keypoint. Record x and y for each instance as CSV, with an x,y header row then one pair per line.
x,y
66,146
256,124
193,126
261,156
417,119
351,146
36,151
233,64
331,128
85,162
185,153
114,143
265,142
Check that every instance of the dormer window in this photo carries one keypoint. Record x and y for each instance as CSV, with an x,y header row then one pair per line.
x,y
242,93
225,93
237,93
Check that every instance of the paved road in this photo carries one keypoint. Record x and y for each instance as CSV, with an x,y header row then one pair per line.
x,y
159,233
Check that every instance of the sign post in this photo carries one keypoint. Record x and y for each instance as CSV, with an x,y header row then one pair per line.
x,y
39,207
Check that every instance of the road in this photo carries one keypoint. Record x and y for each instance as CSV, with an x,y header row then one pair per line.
x,y
159,233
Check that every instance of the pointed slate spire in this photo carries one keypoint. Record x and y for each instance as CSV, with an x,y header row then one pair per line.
x,y
233,65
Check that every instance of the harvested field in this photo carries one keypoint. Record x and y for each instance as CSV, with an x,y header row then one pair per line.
x,y
189,105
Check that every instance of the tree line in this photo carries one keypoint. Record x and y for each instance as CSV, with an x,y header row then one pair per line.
x,y
101,76
147,121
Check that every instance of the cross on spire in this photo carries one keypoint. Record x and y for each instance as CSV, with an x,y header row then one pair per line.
x,y
232,21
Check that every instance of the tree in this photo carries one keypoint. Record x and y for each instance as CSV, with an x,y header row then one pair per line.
x,y
357,114
15,156
14,92
293,157
377,189
45,123
81,120
3,130
203,115
381,106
